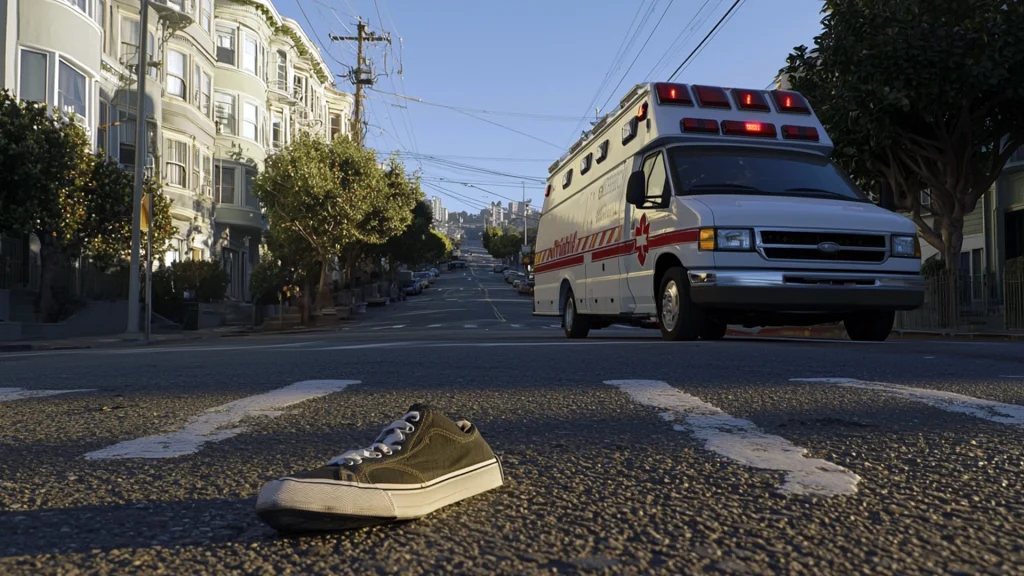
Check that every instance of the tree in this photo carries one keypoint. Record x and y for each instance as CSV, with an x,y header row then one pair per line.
x,y
409,246
920,94
490,235
105,230
321,194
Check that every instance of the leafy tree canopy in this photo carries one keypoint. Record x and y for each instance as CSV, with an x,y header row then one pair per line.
x,y
923,94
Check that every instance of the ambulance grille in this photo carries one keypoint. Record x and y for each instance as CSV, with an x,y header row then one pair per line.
x,y
823,246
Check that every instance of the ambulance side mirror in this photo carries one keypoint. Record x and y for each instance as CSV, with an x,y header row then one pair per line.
x,y
636,189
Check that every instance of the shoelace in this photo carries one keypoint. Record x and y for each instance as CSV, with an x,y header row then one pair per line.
x,y
386,444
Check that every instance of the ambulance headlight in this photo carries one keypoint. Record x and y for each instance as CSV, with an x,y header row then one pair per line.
x,y
906,247
725,239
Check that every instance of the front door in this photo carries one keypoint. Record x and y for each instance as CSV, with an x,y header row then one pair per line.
x,y
641,225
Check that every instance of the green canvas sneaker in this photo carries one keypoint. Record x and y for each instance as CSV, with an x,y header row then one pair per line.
x,y
418,464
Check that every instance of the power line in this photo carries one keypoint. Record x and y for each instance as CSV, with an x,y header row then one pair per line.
x,y
635,58
484,158
688,31
702,42
482,111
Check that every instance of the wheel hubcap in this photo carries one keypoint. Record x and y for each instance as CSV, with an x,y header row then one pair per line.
x,y
670,306
568,314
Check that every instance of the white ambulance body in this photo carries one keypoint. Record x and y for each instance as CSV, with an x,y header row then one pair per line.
x,y
695,207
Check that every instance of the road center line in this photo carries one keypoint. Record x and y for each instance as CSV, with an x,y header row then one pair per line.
x,y
741,440
219,423
11,394
1011,414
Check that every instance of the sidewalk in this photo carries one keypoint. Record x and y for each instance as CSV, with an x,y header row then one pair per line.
x,y
839,333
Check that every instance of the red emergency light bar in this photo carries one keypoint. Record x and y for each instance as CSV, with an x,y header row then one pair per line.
x,y
712,97
676,94
641,112
740,128
547,191
799,133
750,100
700,125
791,102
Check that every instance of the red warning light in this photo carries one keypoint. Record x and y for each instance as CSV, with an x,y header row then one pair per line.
x,y
800,133
676,94
547,191
790,102
700,125
750,100
738,128
641,112
712,97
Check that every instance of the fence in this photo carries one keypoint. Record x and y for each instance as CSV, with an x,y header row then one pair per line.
x,y
79,278
969,302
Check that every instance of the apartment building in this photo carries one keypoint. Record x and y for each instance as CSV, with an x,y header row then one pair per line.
x,y
228,83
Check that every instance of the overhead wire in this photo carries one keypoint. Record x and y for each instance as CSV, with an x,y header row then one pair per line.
x,y
619,56
480,110
684,36
700,46
637,56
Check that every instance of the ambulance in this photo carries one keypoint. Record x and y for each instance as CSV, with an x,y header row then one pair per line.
x,y
691,208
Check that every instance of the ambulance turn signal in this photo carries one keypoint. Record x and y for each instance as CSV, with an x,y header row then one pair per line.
x,y
791,102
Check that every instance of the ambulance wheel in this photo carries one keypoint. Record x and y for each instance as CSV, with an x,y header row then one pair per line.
x,y
870,326
713,330
678,317
575,325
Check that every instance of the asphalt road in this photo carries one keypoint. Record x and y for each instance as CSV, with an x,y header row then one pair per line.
x,y
623,454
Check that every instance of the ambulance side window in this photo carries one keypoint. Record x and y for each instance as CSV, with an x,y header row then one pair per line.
x,y
656,177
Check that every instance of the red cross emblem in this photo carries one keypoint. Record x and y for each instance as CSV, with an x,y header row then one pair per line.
x,y
640,234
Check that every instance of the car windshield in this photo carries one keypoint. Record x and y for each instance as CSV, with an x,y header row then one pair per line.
x,y
764,172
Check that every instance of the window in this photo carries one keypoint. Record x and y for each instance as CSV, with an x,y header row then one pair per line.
x,y
276,129
151,53
250,121
585,163
126,135
335,126
654,172
129,42
250,50
196,163
71,90
226,113
101,129
101,19
566,179
207,175
282,71
205,11
34,85
226,46
225,184
299,88
250,198
602,151
80,4
176,73
197,254
177,163
203,88
767,172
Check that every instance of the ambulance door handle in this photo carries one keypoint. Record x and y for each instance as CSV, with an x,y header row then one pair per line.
x,y
602,267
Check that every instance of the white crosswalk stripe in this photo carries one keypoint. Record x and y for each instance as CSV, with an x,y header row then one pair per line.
x,y
11,394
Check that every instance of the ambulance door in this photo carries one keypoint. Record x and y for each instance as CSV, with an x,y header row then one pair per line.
x,y
605,219
641,225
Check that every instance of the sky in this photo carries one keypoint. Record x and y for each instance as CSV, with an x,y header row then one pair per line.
x,y
483,96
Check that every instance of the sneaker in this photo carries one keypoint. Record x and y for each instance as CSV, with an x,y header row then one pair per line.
x,y
418,464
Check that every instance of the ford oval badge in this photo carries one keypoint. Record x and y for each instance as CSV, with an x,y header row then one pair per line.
x,y
828,247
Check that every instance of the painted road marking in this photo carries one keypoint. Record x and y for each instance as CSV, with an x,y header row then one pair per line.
x,y
470,326
741,440
950,401
364,346
434,326
220,423
430,312
11,394
517,325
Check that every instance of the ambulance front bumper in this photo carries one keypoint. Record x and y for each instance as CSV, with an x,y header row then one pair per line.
x,y
801,291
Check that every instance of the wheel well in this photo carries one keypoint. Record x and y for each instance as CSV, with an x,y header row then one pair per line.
x,y
664,263
562,291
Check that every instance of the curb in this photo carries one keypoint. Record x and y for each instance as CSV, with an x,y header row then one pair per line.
x,y
840,334
37,347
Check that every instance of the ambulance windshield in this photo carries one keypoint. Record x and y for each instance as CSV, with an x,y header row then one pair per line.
x,y
730,170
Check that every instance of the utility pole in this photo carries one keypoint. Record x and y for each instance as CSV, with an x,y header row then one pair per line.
x,y
132,332
360,76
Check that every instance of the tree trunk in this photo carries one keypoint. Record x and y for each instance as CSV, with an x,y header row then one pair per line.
x,y
306,288
952,243
323,293
48,259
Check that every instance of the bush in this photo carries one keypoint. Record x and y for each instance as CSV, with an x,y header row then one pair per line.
x,y
269,281
203,280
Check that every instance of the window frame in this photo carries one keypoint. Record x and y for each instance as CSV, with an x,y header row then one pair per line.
x,y
203,89
248,37
226,32
170,145
278,141
46,74
228,128
206,15
182,78
61,65
246,104
219,180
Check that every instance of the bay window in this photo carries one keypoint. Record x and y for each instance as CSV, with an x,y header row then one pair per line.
x,y
250,121
34,74
250,52
225,108
176,73
71,90
177,163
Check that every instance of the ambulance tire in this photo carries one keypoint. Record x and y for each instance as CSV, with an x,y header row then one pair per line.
x,y
713,329
874,326
689,318
575,325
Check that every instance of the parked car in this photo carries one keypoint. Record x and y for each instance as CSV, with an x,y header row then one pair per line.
x,y
498,268
423,278
526,287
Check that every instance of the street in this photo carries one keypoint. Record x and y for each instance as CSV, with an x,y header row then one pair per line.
x,y
622,453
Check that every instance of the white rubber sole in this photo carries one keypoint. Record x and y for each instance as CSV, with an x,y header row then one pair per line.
x,y
354,500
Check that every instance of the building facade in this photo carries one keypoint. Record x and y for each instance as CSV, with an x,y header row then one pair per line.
x,y
228,83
